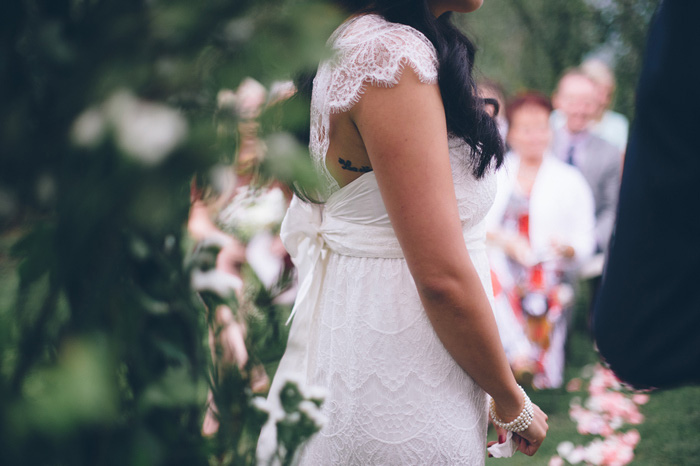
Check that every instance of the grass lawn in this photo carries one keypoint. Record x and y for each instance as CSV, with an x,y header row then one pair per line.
x,y
670,434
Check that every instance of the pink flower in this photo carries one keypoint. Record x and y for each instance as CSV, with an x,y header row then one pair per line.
x,y
603,379
635,418
577,455
615,452
555,461
608,408
574,385
631,437
606,430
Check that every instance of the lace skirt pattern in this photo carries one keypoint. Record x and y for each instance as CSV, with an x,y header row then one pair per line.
x,y
395,395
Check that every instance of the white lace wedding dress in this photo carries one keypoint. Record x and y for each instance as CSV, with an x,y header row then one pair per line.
x,y
395,395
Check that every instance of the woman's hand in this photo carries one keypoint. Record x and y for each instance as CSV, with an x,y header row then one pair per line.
x,y
530,439
515,246
518,248
563,250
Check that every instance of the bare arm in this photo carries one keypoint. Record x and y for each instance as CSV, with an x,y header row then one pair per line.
x,y
405,135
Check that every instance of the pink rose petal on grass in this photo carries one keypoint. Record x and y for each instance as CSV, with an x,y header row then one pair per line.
x,y
577,455
631,437
574,385
615,452
635,418
608,408
555,461
564,448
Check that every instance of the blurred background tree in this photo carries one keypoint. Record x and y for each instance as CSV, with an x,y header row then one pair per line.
x,y
528,45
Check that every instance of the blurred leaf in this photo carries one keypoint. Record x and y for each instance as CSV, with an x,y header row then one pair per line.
x,y
36,250
79,389
104,355
289,162
176,388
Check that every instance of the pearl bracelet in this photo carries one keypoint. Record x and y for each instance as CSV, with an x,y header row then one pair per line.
x,y
520,423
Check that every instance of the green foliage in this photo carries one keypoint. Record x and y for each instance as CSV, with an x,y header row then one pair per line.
x,y
528,45
109,109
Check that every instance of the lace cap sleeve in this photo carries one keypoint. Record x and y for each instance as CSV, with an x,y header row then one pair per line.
x,y
373,50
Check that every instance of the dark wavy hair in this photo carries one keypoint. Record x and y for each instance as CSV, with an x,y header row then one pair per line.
x,y
464,109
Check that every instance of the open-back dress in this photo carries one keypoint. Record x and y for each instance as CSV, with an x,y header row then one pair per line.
x,y
395,396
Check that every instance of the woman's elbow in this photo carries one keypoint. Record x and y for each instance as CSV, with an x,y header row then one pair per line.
x,y
441,287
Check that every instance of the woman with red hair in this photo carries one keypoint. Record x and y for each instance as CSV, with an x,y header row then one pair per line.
x,y
540,228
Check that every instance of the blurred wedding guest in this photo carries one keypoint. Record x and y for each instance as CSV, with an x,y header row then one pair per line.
x,y
541,226
599,161
605,123
608,124
647,319
491,89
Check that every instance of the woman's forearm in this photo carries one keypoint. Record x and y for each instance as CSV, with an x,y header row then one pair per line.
x,y
463,320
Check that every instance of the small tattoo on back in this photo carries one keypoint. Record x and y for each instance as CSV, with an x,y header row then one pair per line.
x,y
347,165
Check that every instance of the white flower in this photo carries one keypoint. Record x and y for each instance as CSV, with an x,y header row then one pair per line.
x,y
146,131
267,443
555,461
223,179
311,411
217,239
250,96
576,456
252,211
226,100
564,448
616,422
316,392
594,452
89,128
294,379
281,90
259,255
219,282
261,404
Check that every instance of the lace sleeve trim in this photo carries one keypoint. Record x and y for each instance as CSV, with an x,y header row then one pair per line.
x,y
375,51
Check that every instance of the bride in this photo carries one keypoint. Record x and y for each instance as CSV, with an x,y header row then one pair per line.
x,y
394,314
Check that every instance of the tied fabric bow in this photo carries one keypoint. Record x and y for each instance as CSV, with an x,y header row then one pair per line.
x,y
301,235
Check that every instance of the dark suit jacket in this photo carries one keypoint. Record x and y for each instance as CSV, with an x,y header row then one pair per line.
x,y
647,318
600,163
